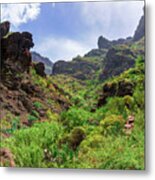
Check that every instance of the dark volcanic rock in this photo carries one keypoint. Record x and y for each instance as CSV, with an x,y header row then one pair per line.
x,y
96,52
36,57
15,58
140,31
78,68
104,43
121,89
40,69
4,28
117,60
27,103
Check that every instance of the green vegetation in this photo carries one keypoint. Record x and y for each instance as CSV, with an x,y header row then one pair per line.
x,y
37,104
83,135
10,123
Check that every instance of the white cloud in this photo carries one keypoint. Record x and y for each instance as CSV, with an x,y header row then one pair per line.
x,y
60,48
19,13
112,19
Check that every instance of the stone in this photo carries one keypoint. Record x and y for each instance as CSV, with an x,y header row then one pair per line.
x,y
40,69
4,28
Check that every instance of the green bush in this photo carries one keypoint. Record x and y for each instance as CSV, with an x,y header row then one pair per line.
x,y
34,116
75,117
52,116
116,105
38,104
112,125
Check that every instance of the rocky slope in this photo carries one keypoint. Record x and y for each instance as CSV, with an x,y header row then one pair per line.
x,y
36,57
23,84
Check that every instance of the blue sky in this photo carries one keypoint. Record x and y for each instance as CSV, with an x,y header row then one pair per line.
x,y
65,30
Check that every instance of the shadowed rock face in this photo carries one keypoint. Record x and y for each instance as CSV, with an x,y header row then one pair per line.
x,y
117,60
4,28
79,69
140,31
15,57
120,89
40,69
104,43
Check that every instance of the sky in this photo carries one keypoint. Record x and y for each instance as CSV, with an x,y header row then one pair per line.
x,y
62,31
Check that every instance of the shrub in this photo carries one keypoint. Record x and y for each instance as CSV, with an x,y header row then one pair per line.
x,y
76,136
38,104
34,116
112,125
116,105
52,116
10,127
75,117
129,101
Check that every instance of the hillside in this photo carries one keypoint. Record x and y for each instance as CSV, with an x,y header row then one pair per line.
x,y
88,114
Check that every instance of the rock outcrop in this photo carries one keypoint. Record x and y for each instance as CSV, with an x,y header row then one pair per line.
x,y
4,28
96,53
77,68
40,69
117,60
140,31
104,43
36,57
15,58
120,89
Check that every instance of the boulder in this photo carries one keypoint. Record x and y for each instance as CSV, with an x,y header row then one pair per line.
x,y
40,69
36,57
